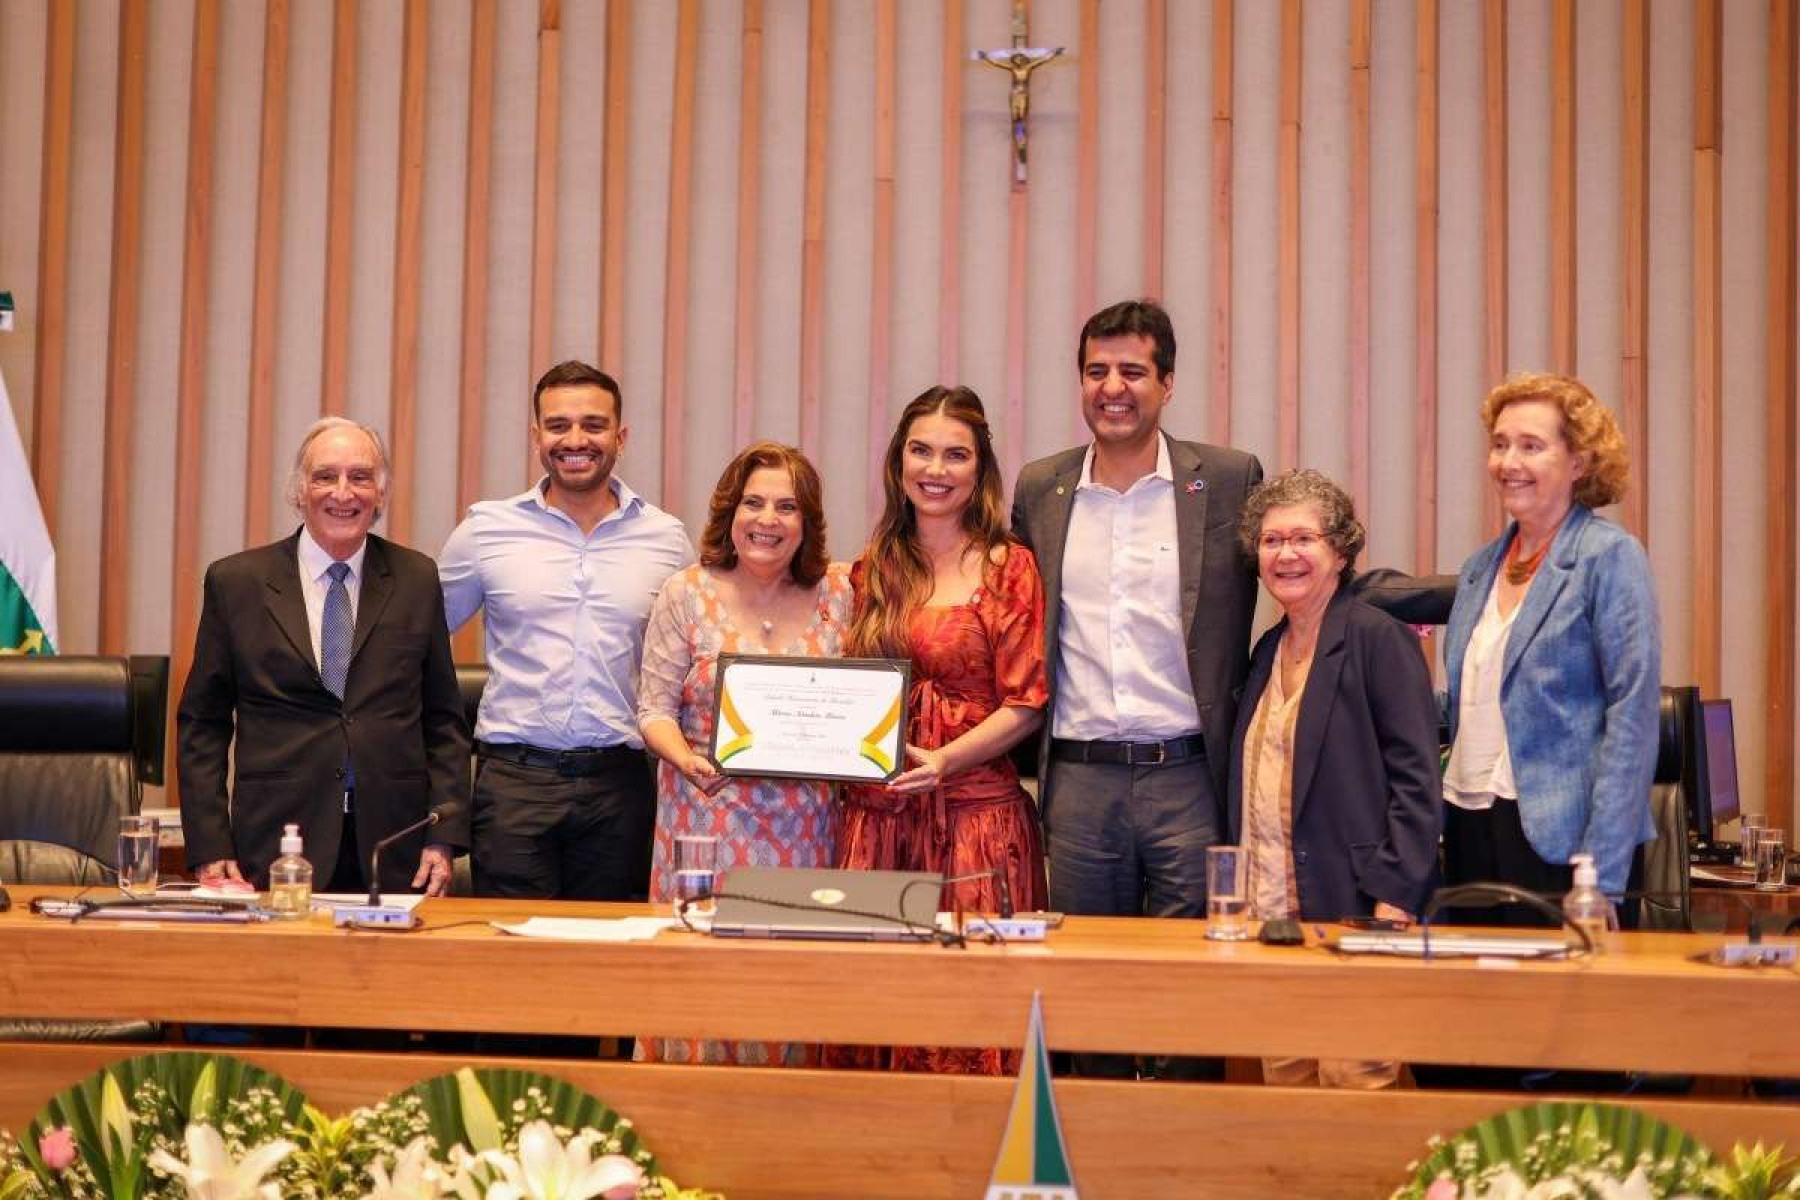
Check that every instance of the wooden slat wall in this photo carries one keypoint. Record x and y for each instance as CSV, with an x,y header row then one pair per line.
x,y
1707,544
1219,417
1287,266
613,184
1156,86
478,140
1778,558
1361,153
340,197
1563,169
1425,243
743,391
1634,240
950,197
812,244
105,552
1493,217
677,277
404,370
265,303
881,252
122,332
543,192
51,351
190,388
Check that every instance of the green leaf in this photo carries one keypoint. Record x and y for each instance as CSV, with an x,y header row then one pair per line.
x,y
203,1101
480,1121
1591,1131
115,1117
514,1096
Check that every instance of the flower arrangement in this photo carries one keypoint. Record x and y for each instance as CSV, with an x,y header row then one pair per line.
x,y
1569,1151
183,1126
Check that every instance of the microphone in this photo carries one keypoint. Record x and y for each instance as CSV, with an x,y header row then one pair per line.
x,y
1006,904
375,914
431,818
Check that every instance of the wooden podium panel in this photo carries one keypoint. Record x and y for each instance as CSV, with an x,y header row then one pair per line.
x,y
1120,985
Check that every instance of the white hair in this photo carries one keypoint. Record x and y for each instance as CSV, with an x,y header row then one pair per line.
x,y
296,480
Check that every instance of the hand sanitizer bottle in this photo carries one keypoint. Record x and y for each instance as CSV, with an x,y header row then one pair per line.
x,y
291,879
1586,905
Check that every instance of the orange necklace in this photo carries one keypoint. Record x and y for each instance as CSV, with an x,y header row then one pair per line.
x,y
1520,570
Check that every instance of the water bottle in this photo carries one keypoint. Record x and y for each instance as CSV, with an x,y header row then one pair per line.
x,y
291,879
1586,905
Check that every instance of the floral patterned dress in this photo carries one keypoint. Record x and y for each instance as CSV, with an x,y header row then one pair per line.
x,y
968,660
759,822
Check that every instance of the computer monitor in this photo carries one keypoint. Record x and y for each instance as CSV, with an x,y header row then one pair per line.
x,y
1721,780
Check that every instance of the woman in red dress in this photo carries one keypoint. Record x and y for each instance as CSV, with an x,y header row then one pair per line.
x,y
944,584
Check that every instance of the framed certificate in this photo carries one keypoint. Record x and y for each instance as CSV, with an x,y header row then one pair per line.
x,y
810,718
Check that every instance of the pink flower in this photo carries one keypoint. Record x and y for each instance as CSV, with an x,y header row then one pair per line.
x,y
57,1148
1442,1189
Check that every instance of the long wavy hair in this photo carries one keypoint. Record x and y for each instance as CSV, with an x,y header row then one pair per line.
x,y
896,576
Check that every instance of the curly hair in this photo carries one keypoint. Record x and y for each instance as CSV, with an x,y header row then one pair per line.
x,y
810,560
1337,514
1589,429
896,574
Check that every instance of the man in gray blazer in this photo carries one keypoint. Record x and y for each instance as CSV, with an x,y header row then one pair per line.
x,y
1147,607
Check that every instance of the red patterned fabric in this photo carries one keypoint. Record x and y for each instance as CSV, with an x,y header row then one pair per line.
x,y
967,660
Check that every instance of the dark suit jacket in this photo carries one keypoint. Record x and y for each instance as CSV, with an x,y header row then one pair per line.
x,y
1218,587
1367,809
401,720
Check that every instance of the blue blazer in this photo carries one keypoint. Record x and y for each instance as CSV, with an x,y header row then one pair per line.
x,y
1579,692
1366,810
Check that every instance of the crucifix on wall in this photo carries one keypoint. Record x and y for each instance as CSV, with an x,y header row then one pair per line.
x,y
1019,60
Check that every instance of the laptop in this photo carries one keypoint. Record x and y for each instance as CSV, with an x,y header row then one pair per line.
x,y
853,906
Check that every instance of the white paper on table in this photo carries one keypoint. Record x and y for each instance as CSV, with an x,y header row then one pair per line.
x,y
588,929
405,901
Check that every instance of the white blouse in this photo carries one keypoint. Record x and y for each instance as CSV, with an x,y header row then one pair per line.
x,y
1480,769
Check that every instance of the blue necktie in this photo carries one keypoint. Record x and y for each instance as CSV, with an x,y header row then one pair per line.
x,y
334,648
334,639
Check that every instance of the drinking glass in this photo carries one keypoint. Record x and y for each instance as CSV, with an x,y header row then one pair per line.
x,y
1748,825
138,845
696,872
1771,860
1227,893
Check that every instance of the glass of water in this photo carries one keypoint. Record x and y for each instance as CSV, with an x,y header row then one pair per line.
x,y
1771,860
1748,826
1227,893
138,847
696,872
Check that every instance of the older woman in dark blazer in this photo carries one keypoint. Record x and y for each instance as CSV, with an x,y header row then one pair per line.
x,y
1334,782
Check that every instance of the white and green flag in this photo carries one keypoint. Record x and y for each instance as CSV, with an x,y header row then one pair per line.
x,y
27,563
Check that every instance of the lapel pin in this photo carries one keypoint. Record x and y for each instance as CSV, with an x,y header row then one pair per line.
x,y
1196,486
1061,490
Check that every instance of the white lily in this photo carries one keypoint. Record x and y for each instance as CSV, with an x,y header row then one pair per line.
x,y
546,1169
211,1174
416,1176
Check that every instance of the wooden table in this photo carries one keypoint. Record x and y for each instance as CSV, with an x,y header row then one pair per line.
x,y
1107,985
1728,905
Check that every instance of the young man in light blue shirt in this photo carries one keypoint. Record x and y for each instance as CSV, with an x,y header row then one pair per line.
x,y
563,575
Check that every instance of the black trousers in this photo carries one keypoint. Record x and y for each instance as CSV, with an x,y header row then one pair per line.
x,y
541,835
1490,847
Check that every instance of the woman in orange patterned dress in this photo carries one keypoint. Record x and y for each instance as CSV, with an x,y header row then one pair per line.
x,y
944,584
763,586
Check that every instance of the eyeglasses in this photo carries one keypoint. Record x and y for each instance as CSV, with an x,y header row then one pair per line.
x,y
1304,542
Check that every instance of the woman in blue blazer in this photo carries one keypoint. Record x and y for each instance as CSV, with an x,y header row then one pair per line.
x,y
1553,658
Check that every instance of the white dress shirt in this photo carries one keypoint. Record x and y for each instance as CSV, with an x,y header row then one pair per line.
x,y
315,582
565,613
1121,669
1480,768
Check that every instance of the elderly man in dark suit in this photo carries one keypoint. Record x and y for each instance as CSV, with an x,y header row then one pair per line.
x,y
327,655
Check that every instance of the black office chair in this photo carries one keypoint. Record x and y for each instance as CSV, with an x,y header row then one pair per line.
x,y
70,729
1666,877
471,681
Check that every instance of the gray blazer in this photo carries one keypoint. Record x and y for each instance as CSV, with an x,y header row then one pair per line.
x,y
1218,587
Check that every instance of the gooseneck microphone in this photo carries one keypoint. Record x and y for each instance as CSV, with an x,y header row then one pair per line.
x,y
431,818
